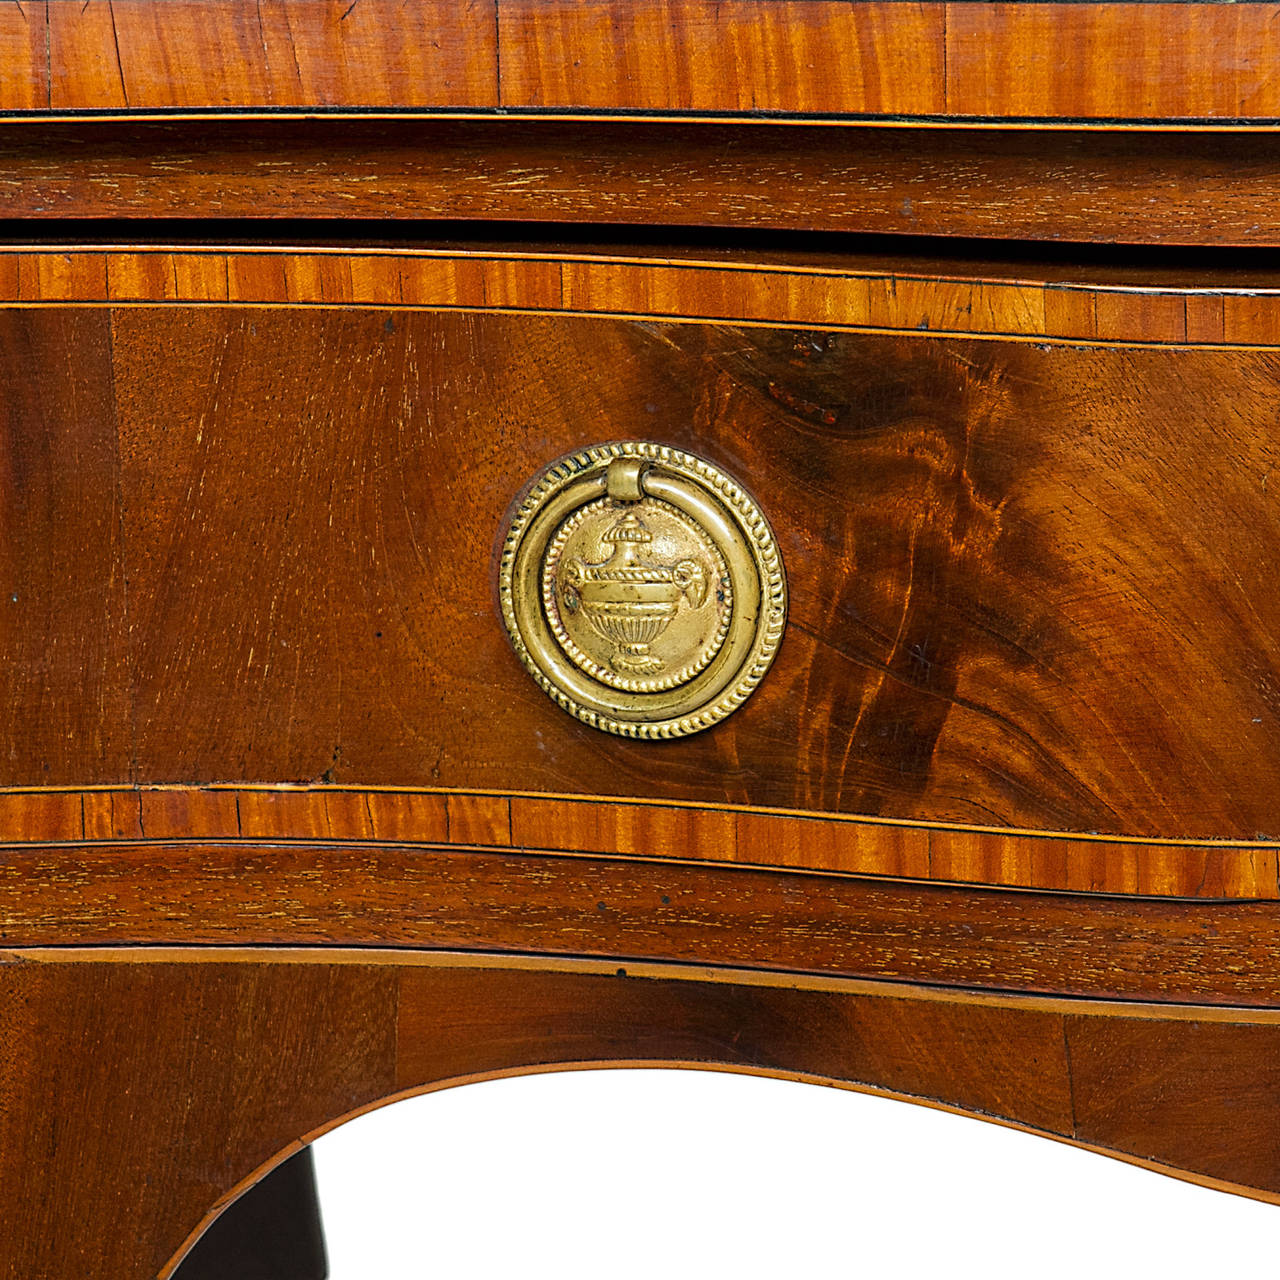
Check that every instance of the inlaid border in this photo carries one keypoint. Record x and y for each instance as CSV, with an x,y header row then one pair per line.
x,y
842,296
667,831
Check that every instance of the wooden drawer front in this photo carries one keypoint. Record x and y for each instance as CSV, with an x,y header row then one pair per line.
x,y
1031,584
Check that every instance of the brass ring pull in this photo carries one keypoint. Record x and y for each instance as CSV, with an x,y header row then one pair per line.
x,y
642,589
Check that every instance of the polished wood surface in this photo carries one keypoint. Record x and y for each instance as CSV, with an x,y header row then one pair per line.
x,y
1175,187
1181,61
221,1064
214,54
1157,305
795,56
317,893
998,831
1030,584
671,832
59,543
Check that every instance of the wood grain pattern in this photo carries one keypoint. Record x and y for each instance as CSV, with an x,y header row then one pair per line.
x,y
793,56
790,57
1173,188
1031,586
354,894
63,683
645,829
994,61
971,594
213,54
251,499
133,1099
25,84
816,291
220,1064
1111,61
761,838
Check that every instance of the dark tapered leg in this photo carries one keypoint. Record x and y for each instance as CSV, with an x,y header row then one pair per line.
x,y
272,1232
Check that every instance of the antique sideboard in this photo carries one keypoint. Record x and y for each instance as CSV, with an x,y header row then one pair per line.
x,y
537,533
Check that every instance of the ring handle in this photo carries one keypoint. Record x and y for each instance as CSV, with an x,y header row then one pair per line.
x,y
642,589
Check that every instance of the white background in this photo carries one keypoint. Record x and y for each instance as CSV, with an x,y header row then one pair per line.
x,y
691,1175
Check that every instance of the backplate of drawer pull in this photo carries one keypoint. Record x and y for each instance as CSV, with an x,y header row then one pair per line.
x,y
642,589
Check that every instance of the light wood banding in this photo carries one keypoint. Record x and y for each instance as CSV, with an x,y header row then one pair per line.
x,y
669,832
844,294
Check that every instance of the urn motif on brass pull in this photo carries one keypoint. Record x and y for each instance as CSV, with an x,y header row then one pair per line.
x,y
642,589
629,601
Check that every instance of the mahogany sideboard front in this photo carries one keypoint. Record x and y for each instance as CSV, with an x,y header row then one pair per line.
x,y
979,303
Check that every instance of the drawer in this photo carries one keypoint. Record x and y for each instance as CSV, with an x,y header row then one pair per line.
x,y
289,825
1030,575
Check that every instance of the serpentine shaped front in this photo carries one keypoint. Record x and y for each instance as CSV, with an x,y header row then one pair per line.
x,y
642,589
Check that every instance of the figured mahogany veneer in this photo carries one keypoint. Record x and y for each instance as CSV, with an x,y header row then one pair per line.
x,y
800,57
286,831
1030,583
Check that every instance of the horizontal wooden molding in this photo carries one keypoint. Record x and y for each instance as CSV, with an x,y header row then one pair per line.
x,y
759,979
1100,185
834,297
668,831
733,57
324,892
